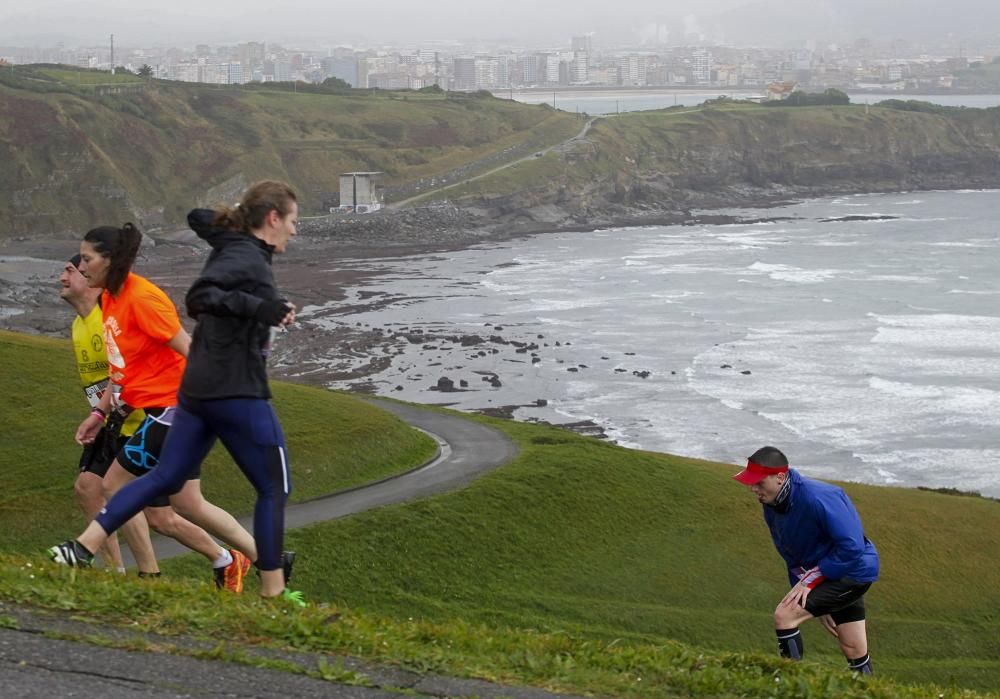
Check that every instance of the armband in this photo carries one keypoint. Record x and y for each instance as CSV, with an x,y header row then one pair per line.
x,y
99,413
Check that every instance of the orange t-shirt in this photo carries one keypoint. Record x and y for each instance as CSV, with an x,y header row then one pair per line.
x,y
138,323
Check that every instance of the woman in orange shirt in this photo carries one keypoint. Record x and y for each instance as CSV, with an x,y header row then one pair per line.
x,y
146,348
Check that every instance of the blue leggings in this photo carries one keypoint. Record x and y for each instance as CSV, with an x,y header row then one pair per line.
x,y
250,431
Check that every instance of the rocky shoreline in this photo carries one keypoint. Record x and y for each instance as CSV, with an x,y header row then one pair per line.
x,y
335,253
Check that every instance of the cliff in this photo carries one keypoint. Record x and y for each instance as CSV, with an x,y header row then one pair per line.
x,y
82,148
647,163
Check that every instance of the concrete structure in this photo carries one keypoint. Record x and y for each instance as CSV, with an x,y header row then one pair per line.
x,y
360,192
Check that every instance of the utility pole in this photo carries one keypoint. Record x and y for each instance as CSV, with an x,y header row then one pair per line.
x,y
112,54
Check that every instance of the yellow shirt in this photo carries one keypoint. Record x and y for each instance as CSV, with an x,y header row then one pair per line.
x,y
92,362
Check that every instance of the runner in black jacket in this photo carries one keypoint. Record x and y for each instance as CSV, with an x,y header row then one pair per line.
x,y
224,392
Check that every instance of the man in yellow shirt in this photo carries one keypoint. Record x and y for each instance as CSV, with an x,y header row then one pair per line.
x,y
92,366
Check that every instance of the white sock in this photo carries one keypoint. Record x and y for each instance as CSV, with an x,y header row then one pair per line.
x,y
224,559
121,570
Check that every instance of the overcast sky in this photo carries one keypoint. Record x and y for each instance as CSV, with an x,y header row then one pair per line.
x,y
514,22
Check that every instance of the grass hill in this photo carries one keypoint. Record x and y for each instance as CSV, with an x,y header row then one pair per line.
x,y
579,566
338,443
82,148
682,157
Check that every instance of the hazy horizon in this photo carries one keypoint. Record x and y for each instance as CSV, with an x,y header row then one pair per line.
x,y
517,22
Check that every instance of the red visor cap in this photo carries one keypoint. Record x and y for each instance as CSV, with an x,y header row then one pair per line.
x,y
754,473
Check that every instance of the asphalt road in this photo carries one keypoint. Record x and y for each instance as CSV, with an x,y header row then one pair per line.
x,y
467,449
33,664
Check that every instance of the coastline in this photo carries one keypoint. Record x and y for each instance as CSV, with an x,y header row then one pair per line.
x,y
171,257
336,253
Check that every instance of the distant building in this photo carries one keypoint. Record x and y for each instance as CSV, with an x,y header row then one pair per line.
x,y
529,73
465,73
250,54
282,71
234,73
487,72
345,69
580,69
780,90
551,75
701,67
632,70
390,81
360,192
583,44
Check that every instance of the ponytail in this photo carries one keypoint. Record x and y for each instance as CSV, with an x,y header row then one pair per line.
x,y
258,201
120,246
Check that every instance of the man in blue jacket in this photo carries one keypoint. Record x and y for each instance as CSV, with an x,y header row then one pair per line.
x,y
831,564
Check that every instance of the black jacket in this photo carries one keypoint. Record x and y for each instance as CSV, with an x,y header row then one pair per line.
x,y
229,345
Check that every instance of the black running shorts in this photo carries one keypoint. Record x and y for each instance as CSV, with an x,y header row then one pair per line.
x,y
843,600
141,452
98,455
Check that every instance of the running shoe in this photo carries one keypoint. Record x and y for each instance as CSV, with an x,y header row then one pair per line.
x,y
71,553
231,577
293,597
287,560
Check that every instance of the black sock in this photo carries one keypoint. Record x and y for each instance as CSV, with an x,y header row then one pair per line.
x,y
143,574
862,665
790,643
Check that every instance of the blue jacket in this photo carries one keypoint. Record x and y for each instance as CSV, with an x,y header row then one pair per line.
x,y
821,528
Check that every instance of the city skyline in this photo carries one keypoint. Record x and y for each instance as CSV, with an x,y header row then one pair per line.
x,y
517,22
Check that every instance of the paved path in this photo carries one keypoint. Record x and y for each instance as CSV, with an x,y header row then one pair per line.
x,y
467,449
537,154
33,663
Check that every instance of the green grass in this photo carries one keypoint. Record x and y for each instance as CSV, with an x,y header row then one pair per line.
x,y
335,442
580,537
580,565
89,78
554,660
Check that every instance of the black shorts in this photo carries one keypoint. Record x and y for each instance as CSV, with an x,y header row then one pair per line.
x,y
141,452
98,455
843,600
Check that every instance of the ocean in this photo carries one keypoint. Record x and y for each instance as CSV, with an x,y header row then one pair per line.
x,y
639,100
859,334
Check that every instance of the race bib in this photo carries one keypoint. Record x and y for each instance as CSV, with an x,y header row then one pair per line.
x,y
94,392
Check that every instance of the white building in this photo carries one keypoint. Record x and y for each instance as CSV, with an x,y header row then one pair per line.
x,y
701,66
552,68
486,73
234,73
580,68
632,70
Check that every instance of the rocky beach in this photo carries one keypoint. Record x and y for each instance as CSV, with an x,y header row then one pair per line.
x,y
312,274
